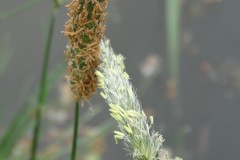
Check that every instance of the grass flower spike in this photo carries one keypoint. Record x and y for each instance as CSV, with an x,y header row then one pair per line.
x,y
84,29
135,128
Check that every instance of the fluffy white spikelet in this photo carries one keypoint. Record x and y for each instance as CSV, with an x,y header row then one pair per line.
x,y
135,128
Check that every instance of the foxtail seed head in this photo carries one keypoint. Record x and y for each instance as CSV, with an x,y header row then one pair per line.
x,y
135,129
84,29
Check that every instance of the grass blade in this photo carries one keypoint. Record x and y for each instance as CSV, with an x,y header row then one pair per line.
x,y
18,9
6,53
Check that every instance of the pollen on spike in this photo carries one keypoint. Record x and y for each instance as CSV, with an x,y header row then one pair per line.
x,y
119,133
125,75
103,95
128,129
121,88
151,119
130,92
99,74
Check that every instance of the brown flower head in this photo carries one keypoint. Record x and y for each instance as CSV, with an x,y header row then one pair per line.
x,y
84,29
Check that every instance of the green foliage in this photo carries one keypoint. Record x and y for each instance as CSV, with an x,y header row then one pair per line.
x,y
22,122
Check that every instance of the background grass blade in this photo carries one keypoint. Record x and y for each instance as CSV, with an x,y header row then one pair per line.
x,y
23,119
173,13
173,17
18,9
6,52
43,83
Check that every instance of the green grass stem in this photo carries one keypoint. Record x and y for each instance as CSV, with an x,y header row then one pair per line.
x,y
173,14
75,132
43,86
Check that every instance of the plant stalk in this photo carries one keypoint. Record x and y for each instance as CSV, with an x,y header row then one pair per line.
x,y
173,16
75,131
173,26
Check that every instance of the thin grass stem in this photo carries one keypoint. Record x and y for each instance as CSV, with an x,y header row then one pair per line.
x,y
43,85
75,131
173,16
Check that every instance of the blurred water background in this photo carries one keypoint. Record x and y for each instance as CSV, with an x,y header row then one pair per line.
x,y
199,117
